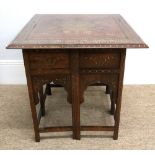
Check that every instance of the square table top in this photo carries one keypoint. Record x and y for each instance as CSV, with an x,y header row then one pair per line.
x,y
77,31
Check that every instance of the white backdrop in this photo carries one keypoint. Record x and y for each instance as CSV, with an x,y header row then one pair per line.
x,y
140,14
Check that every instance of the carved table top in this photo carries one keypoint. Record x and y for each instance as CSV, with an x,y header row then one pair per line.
x,y
77,31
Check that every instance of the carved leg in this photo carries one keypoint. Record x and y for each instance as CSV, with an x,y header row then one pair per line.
x,y
48,89
31,97
119,95
75,95
42,102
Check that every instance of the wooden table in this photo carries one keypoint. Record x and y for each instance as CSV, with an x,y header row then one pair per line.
x,y
75,51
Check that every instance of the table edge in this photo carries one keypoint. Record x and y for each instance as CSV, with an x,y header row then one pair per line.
x,y
59,46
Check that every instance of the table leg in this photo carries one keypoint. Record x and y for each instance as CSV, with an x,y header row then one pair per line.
x,y
112,96
48,90
75,108
42,102
119,95
75,95
107,90
34,113
31,97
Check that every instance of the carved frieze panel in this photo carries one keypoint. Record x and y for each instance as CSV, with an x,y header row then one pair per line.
x,y
104,60
44,60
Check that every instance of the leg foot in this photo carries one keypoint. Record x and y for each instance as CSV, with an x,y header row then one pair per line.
x,y
37,138
115,136
76,138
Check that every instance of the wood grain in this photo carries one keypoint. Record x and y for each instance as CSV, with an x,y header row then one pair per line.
x,y
77,31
